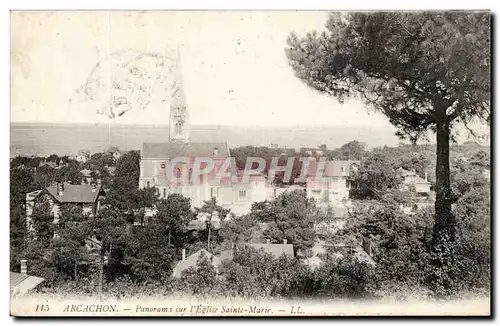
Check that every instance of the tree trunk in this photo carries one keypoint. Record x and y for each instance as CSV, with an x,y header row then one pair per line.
x,y
208,244
76,272
444,226
101,273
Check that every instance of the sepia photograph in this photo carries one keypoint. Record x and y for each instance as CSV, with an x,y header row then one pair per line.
x,y
250,163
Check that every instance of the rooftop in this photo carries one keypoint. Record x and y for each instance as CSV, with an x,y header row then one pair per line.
x,y
192,260
75,193
176,149
22,283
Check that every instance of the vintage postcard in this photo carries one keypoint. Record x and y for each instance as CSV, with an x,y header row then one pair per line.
x,y
250,163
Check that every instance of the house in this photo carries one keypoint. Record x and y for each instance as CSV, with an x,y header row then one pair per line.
x,y
115,152
329,182
413,182
191,261
82,156
22,283
86,196
90,176
359,252
87,177
158,160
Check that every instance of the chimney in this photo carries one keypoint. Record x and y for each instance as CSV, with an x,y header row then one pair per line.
x,y
60,188
425,176
183,254
24,267
268,241
284,241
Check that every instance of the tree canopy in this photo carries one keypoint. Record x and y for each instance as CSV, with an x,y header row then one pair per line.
x,y
426,71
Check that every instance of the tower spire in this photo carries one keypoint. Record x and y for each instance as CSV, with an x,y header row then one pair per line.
x,y
179,117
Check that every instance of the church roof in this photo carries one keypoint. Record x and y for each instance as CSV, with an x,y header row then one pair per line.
x,y
174,149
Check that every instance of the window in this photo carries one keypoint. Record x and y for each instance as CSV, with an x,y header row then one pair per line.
x,y
190,176
163,165
178,173
164,192
147,184
242,193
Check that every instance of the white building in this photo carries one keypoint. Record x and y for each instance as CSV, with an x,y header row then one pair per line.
x,y
330,184
413,182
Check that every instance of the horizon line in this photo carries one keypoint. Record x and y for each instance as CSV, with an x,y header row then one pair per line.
x,y
192,124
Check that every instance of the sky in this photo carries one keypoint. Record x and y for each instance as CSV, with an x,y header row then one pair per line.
x,y
234,67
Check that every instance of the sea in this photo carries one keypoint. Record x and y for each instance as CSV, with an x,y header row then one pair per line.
x,y
43,139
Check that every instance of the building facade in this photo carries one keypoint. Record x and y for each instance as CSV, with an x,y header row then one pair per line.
x,y
413,182
329,183
86,196
158,161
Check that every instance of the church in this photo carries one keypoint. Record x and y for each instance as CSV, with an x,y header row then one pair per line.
x,y
156,161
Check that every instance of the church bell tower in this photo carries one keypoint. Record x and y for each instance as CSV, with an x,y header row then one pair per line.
x,y
179,117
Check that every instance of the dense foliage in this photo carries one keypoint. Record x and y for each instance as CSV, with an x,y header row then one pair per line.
x,y
138,251
425,71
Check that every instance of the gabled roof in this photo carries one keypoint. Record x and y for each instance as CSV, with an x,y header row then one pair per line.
x,y
50,163
22,283
75,193
16,279
177,149
416,178
192,260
